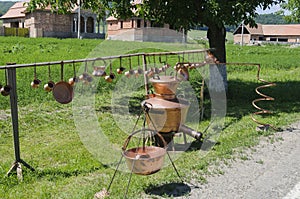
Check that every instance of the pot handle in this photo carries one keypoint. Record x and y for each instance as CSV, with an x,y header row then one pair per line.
x,y
147,106
156,76
141,130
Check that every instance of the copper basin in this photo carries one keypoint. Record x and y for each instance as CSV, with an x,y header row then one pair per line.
x,y
145,160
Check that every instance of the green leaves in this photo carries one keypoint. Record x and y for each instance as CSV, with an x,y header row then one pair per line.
x,y
293,6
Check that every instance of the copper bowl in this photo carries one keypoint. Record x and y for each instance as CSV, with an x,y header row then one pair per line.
x,y
145,160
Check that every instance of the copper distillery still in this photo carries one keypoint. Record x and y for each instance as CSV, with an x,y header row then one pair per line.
x,y
168,112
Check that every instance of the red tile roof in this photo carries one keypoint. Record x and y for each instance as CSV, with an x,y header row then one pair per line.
x,y
288,29
278,29
19,9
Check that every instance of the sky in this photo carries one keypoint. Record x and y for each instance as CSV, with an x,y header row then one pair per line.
x,y
273,9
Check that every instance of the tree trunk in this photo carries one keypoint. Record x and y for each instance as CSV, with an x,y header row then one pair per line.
x,y
216,35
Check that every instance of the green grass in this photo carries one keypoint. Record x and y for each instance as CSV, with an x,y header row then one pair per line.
x,y
64,167
201,35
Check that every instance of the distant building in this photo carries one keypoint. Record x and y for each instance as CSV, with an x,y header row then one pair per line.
x,y
138,29
44,23
287,33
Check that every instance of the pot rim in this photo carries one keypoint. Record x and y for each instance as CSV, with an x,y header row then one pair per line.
x,y
159,152
164,79
165,104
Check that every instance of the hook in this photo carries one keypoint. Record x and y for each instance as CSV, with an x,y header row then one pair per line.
x,y
5,90
121,68
111,75
62,70
35,83
34,71
162,62
85,66
74,69
49,72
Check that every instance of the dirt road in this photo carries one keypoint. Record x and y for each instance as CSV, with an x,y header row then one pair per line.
x,y
272,171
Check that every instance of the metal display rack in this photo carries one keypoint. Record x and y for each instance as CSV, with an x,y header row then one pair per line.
x,y
11,69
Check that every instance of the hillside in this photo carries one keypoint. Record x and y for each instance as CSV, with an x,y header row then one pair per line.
x,y
4,6
270,19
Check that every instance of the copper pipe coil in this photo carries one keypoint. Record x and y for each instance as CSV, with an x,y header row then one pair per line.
x,y
264,97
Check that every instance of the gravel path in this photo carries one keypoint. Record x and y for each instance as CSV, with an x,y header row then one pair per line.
x,y
271,172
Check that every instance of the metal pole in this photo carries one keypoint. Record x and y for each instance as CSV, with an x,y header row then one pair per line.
x,y
11,77
78,34
242,37
145,74
100,58
11,72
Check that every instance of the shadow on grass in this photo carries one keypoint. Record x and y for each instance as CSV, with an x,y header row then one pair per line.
x,y
169,190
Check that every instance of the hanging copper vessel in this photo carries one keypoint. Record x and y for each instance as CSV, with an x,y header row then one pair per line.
x,y
165,86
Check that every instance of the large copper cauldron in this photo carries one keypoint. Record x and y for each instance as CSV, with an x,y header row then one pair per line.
x,y
167,113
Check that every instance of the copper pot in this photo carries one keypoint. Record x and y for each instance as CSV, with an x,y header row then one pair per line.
x,y
166,115
165,85
145,160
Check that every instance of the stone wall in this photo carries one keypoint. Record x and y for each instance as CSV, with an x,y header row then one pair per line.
x,y
147,34
52,25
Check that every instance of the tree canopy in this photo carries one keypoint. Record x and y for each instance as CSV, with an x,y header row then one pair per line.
x,y
181,15
293,6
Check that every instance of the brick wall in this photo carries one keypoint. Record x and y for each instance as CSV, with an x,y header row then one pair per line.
x,y
146,34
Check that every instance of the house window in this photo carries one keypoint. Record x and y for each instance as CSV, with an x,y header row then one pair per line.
x,y
90,25
156,24
14,24
132,23
283,39
81,24
121,24
138,23
145,24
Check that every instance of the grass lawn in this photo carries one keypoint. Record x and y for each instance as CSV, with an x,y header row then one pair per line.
x,y
65,168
